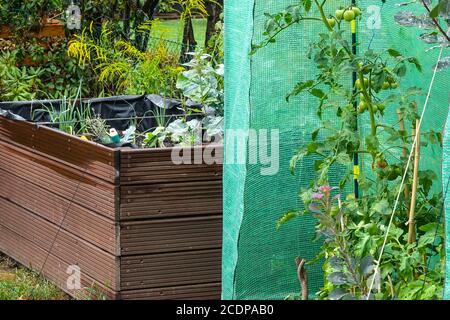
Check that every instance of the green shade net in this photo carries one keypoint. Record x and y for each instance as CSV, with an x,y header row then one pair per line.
x,y
258,259
446,189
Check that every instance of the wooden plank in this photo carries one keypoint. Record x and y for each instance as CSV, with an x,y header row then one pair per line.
x,y
210,291
171,199
171,269
73,218
92,261
76,186
55,269
157,166
169,235
95,159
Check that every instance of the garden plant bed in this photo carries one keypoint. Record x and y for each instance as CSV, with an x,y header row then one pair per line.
x,y
137,225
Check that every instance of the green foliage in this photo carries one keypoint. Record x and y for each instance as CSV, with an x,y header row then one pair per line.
x,y
179,132
71,115
201,83
23,16
120,68
17,83
353,230
51,72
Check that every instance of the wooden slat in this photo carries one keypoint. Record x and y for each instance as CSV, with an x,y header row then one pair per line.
x,y
55,269
210,291
157,166
75,186
171,269
171,199
72,217
169,235
93,158
93,261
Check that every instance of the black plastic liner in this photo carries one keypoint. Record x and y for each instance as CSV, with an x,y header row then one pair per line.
x,y
117,111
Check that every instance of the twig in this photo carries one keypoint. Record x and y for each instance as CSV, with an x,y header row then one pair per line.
x,y
302,276
436,23
411,222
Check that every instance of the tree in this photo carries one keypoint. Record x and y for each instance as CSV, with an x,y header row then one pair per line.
x,y
214,9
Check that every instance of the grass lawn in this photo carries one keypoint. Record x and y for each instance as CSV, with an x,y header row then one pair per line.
x,y
173,30
19,283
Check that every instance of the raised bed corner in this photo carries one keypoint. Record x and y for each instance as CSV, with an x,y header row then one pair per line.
x,y
136,225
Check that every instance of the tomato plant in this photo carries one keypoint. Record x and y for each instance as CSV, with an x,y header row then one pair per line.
x,y
353,228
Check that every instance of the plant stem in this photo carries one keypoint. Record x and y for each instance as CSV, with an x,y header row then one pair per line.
x,y
373,123
322,14
436,23
302,276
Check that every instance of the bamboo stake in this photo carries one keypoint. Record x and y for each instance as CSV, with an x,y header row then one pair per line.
x,y
411,222
405,155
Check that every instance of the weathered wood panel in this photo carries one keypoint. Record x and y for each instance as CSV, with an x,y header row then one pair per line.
x,y
171,200
171,269
160,165
207,291
75,219
55,269
85,156
169,235
74,185
94,262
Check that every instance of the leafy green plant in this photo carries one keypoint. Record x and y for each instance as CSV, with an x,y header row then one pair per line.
x,y
178,133
120,68
17,83
71,116
23,16
156,138
353,229
202,83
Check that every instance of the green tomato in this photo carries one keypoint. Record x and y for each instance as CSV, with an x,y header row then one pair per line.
x,y
349,15
356,11
392,174
394,85
386,85
363,69
381,107
362,106
362,97
358,83
331,22
374,108
339,14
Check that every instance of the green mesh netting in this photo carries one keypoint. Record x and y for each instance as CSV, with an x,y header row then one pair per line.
x,y
446,189
258,260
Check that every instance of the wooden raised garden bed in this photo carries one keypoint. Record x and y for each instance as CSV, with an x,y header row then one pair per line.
x,y
137,225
